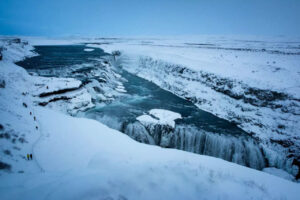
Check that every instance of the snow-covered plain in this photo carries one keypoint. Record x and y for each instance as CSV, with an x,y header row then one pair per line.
x,y
76,158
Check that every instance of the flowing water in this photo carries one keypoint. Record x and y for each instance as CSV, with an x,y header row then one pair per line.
x,y
198,131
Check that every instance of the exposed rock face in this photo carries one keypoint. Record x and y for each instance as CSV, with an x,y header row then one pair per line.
x,y
61,91
0,53
2,83
54,99
4,166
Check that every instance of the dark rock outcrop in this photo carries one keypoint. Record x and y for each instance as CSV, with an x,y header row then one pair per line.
x,y
54,99
46,94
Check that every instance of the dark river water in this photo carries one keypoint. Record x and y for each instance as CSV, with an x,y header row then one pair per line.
x,y
198,131
142,95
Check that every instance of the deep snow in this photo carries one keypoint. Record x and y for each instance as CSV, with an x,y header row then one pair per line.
x,y
76,158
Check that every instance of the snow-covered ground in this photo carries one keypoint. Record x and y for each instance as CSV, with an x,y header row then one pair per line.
x,y
89,49
251,81
160,116
76,158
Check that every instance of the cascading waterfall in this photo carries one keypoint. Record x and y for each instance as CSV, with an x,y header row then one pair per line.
x,y
139,133
241,150
244,152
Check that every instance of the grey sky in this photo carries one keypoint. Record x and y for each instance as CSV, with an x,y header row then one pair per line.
x,y
145,17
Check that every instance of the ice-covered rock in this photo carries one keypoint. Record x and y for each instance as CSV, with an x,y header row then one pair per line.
x,y
158,123
121,88
147,120
52,86
160,116
88,49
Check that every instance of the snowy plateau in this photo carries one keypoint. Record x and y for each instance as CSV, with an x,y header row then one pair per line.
x,y
253,83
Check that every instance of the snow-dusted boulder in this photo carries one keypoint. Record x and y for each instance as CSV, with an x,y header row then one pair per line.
x,y
159,116
88,49
160,123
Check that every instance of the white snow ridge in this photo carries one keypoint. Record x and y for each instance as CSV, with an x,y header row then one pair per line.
x,y
163,117
78,158
88,49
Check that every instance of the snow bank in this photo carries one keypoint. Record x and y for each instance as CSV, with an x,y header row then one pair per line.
x,y
165,114
163,117
279,173
147,119
14,49
88,49
84,159
120,88
48,86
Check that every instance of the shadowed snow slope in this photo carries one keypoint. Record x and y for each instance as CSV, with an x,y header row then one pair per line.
x,y
84,159
77,158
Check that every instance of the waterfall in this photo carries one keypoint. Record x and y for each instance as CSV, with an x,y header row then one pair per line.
x,y
139,133
242,150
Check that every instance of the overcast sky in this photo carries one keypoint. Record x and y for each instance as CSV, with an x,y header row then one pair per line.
x,y
149,17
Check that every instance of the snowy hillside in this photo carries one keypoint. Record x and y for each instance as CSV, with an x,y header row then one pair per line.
x,y
77,158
